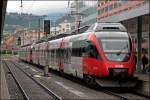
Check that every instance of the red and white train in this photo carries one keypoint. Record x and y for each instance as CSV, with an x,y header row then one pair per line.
x,y
103,54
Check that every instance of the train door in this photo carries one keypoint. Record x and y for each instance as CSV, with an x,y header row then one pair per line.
x,y
49,55
76,59
40,57
42,54
61,56
66,53
91,59
46,55
36,54
30,55
26,56
33,54
73,63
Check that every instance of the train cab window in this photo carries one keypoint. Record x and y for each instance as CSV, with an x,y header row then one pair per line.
x,y
91,51
116,49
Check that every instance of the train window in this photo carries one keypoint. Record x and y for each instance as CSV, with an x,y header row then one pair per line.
x,y
116,49
77,52
62,53
69,55
52,55
65,55
57,54
91,51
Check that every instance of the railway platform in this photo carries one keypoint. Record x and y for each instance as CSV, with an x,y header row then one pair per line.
x,y
4,93
143,85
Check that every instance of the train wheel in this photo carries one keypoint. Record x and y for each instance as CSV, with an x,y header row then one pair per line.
x,y
61,72
89,80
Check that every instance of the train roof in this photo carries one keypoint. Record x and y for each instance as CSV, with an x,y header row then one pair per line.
x,y
80,30
27,45
58,36
108,26
73,32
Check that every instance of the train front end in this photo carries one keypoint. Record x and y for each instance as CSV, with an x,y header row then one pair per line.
x,y
116,50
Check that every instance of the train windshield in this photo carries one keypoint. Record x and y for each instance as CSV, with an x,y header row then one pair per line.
x,y
115,45
116,49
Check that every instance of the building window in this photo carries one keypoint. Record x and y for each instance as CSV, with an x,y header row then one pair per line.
x,y
102,11
67,25
106,9
67,29
115,5
102,3
99,11
124,1
110,7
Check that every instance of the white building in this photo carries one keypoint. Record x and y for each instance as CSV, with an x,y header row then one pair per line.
x,y
65,26
87,11
54,30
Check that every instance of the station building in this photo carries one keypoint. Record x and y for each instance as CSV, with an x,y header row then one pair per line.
x,y
88,12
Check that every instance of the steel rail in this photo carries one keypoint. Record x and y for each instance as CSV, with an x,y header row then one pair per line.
x,y
55,96
121,95
114,94
17,82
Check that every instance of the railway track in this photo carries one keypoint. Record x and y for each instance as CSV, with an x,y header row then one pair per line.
x,y
126,95
29,87
123,96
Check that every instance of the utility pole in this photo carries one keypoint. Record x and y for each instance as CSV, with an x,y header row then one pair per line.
x,y
23,38
39,30
77,14
42,17
21,4
55,27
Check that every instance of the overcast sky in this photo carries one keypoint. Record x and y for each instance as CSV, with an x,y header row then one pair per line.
x,y
38,7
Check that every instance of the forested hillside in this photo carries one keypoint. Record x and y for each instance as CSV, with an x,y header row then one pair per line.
x,y
14,20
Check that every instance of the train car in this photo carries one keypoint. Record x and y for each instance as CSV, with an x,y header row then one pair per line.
x,y
54,54
24,53
104,54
